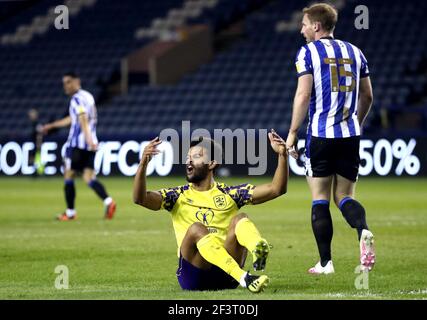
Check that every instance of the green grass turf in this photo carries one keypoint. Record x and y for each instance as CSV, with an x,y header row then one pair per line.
x,y
134,255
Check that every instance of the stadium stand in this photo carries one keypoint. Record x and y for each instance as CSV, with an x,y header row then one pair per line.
x,y
249,85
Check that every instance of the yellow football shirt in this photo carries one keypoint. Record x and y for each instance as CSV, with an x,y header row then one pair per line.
x,y
214,208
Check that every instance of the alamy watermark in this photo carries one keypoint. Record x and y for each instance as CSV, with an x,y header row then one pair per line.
x,y
239,146
62,21
361,282
62,279
362,20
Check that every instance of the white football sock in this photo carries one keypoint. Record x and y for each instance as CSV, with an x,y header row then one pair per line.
x,y
107,201
70,212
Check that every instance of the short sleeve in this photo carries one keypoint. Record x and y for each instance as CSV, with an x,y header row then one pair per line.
x,y
77,106
364,70
170,197
303,62
241,194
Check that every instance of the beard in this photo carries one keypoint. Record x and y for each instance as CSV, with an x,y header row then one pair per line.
x,y
199,174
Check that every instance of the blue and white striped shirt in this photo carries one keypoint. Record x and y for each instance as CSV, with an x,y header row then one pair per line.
x,y
82,102
337,67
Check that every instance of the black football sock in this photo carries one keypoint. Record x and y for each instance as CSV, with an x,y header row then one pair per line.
x,y
98,188
354,214
321,222
70,193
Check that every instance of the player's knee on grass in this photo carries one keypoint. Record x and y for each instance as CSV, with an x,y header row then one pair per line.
x,y
236,219
197,231
189,250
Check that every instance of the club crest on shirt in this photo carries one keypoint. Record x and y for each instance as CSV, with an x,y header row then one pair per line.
x,y
220,201
205,216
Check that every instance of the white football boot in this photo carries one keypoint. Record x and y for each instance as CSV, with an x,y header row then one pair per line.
x,y
318,269
367,250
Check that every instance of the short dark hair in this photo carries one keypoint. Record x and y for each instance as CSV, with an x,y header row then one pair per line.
x,y
212,147
71,74
324,13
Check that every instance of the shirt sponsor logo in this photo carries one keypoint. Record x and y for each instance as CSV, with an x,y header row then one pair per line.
x,y
205,216
220,201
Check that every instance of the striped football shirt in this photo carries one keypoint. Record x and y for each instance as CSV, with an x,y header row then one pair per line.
x,y
82,102
337,67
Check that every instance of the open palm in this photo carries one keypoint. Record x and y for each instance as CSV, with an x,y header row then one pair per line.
x,y
277,143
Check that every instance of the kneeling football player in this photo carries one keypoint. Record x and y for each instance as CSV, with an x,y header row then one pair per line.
x,y
213,237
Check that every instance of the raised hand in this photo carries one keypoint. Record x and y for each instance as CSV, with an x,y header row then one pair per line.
x,y
150,150
277,143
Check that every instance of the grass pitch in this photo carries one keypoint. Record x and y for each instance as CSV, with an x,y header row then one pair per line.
x,y
134,255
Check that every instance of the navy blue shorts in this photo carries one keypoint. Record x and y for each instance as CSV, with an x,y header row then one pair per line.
x,y
327,156
193,278
81,159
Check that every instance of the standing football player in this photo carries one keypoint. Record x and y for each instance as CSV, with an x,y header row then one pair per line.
x,y
213,237
335,89
81,148
37,139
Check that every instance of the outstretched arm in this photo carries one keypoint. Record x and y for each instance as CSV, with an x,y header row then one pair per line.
x,y
64,122
299,112
148,199
278,185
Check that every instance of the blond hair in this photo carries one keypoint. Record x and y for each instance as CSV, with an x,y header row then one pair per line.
x,y
324,13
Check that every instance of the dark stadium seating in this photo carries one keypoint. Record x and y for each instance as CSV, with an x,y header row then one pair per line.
x,y
98,37
250,85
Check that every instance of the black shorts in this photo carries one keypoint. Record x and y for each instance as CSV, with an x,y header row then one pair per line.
x,y
80,159
326,157
193,278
